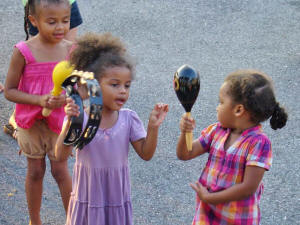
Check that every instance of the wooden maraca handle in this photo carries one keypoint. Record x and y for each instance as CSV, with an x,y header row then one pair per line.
x,y
189,137
46,112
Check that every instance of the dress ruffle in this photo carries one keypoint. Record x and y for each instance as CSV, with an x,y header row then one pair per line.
x,y
113,183
110,202
110,215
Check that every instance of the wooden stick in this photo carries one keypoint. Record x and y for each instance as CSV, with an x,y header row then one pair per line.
x,y
189,136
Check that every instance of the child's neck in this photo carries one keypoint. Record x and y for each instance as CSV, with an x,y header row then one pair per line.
x,y
242,126
44,51
44,42
108,118
239,125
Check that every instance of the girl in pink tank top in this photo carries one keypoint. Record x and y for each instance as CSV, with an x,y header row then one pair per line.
x,y
29,84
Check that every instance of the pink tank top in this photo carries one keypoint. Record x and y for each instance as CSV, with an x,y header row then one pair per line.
x,y
36,79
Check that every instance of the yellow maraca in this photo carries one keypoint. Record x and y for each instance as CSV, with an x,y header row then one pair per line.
x,y
60,72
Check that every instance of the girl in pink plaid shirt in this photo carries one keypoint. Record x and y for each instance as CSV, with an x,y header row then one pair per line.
x,y
230,186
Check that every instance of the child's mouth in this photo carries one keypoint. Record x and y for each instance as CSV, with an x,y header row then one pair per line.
x,y
120,102
59,36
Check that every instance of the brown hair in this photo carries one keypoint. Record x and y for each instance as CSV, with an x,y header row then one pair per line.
x,y
30,8
255,91
97,52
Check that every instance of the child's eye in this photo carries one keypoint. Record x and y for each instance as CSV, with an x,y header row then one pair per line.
x,y
127,85
52,22
114,85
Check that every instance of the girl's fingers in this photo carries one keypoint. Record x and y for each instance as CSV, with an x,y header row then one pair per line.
x,y
194,186
187,124
161,107
71,109
165,107
70,100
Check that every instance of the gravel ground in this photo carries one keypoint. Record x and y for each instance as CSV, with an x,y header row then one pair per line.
x,y
216,37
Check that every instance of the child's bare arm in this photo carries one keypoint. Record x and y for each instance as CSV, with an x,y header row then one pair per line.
x,y
187,125
145,147
252,178
62,151
11,92
12,81
13,78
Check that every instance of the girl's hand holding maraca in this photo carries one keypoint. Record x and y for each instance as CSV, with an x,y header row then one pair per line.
x,y
60,72
158,115
187,124
56,101
51,102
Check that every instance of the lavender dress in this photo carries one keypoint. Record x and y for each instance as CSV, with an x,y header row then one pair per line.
x,y
101,181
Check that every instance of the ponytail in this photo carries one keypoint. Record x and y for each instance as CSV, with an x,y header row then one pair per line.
x,y
26,20
279,117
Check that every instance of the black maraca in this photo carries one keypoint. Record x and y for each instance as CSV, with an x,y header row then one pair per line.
x,y
187,87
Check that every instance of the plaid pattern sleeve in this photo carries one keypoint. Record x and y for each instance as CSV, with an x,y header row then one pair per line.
x,y
260,153
207,136
225,168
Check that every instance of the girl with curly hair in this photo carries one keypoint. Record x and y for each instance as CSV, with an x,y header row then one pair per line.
x,y
101,181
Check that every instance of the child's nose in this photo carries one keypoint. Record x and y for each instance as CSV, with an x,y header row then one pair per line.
x,y
60,26
123,89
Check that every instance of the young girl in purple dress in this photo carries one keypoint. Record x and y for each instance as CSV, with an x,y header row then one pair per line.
x,y
230,187
101,182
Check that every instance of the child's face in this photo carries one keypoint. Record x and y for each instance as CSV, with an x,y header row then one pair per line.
x,y
225,109
115,85
52,20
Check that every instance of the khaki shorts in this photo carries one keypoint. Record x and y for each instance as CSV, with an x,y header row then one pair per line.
x,y
37,141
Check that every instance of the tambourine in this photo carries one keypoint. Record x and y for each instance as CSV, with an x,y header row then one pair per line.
x,y
75,136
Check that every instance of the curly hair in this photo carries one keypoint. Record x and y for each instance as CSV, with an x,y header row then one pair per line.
x,y
97,52
30,9
255,91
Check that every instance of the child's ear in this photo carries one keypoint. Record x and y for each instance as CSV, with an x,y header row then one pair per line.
x,y
32,20
239,110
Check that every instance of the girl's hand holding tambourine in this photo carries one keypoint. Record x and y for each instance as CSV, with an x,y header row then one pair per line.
x,y
71,109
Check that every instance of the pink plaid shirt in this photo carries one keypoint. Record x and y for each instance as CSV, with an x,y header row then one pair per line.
x,y
226,168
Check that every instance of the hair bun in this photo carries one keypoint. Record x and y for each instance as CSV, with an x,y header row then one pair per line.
x,y
279,117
